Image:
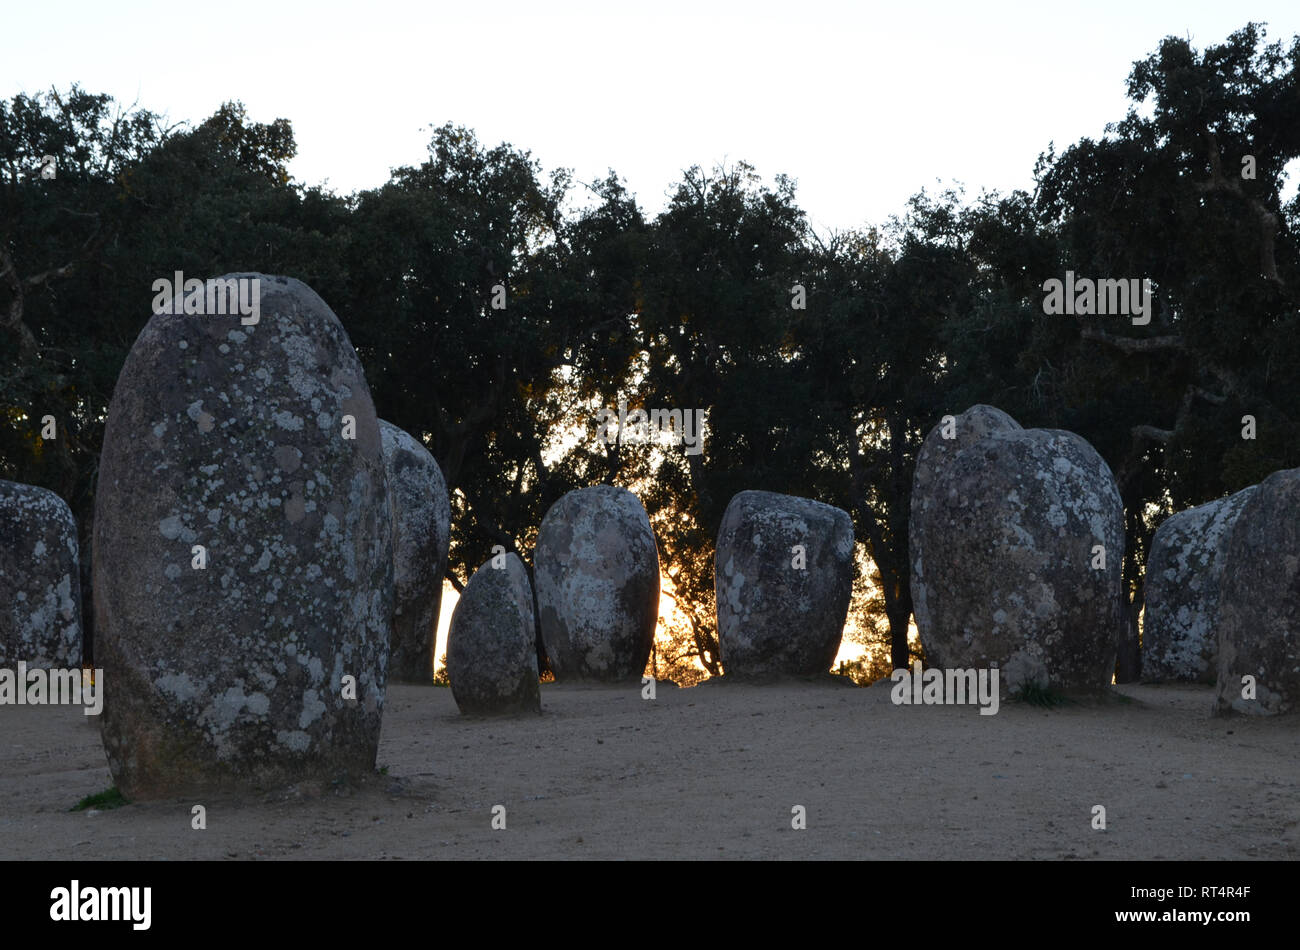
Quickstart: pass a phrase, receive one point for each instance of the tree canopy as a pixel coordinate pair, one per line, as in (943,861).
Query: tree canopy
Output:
(497,310)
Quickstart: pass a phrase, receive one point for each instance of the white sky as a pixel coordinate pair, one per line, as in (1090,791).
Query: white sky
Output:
(863,103)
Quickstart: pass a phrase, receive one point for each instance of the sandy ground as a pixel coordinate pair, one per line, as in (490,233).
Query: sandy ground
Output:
(713,772)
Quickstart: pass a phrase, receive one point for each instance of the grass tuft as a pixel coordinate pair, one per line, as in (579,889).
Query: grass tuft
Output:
(109,798)
(1047,697)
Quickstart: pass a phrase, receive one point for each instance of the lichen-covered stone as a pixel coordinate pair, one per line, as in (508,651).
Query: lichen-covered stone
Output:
(232,437)
(1180,640)
(1011,575)
(421,514)
(40,583)
(491,643)
(783,576)
(1259,601)
(597,574)
(944,441)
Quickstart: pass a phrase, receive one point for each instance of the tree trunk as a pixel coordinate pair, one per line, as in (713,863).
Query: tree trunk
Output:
(1128,663)
(1128,666)
(899,614)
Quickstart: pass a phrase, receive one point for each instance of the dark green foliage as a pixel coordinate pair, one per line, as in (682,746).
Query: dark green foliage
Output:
(1044,696)
(103,801)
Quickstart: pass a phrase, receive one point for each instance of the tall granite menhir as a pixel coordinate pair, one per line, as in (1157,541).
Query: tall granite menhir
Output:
(932,463)
(1017,540)
(783,577)
(1180,625)
(492,642)
(40,582)
(597,576)
(1259,602)
(417,498)
(233,437)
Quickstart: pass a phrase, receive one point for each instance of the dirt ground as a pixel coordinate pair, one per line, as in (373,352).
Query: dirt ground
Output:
(713,772)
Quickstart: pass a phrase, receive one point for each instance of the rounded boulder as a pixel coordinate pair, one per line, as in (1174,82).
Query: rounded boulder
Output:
(1259,602)
(1022,533)
(40,581)
(1180,637)
(597,574)
(243,560)
(421,516)
(945,440)
(491,643)
(783,577)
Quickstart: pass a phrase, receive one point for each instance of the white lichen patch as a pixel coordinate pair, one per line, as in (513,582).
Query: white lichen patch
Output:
(287,420)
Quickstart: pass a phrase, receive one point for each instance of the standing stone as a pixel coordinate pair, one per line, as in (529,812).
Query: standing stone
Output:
(597,575)
(491,644)
(944,441)
(783,576)
(1021,533)
(233,436)
(40,588)
(1180,636)
(421,514)
(1259,601)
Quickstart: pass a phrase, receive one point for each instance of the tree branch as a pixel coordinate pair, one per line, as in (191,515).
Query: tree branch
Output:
(1268,221)
(1131,345)
(27,345)
(1151,432)
(44,276)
